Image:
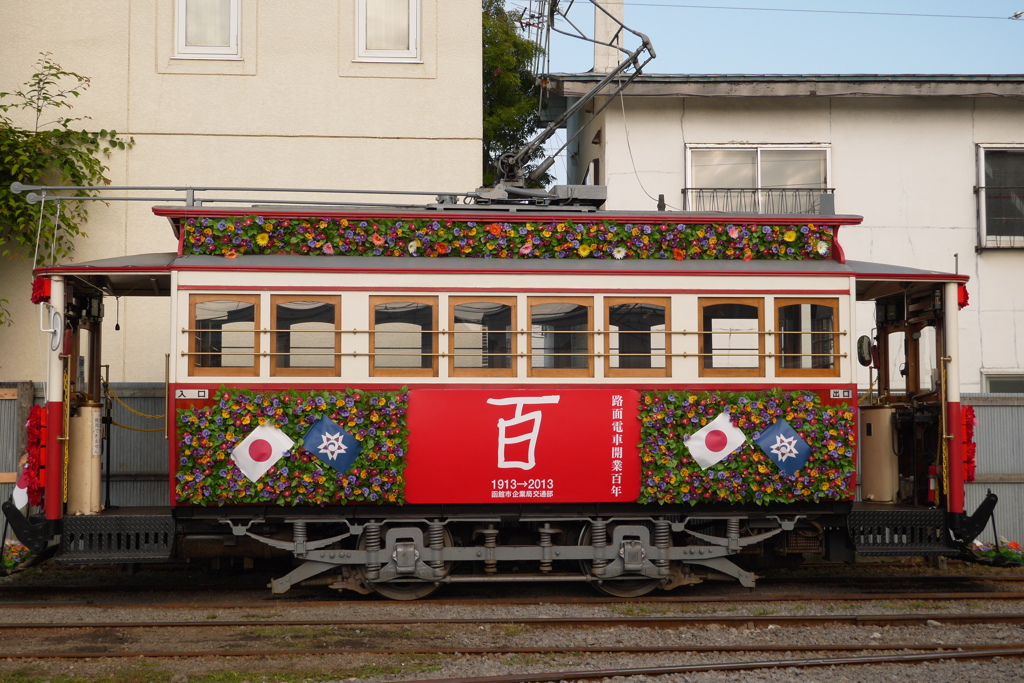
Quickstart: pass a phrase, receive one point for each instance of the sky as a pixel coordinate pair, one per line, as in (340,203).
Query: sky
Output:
(768,37)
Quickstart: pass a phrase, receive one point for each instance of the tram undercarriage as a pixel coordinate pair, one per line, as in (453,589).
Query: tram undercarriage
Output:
(409,557)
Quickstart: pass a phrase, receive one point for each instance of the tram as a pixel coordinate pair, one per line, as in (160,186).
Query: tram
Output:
(403,398)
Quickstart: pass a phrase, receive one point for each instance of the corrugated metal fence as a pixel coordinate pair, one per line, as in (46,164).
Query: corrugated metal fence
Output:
(1000,438)
(139,459)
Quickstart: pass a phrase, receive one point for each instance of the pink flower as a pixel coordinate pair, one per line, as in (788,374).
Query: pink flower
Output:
(328,248)
(526,248)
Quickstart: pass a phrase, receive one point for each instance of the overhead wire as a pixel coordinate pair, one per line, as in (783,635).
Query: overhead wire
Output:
(820,11)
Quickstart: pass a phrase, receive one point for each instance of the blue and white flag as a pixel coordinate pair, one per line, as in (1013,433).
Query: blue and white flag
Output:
(783,445)
(332,444)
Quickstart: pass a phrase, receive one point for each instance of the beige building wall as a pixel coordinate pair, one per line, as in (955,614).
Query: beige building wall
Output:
(297,110)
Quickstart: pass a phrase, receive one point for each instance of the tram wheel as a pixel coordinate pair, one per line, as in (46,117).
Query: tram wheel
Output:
(624,588)
(407,590)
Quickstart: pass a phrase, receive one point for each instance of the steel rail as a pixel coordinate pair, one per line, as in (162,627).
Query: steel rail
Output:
(674,622)
(723,649)
(596,600)
(730,666)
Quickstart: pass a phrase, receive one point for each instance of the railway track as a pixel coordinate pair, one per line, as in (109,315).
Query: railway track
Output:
(339,641)
(578,622)
(1005,650)
(577,675)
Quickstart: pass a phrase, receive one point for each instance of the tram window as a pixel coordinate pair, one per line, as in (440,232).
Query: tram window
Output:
(305,339)
(222,335)
(637,341)
(806,340)
(483,342)
(561,341)
(731,339)
(403,336)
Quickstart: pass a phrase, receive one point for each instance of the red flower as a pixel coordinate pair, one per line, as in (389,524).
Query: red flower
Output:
(40,290)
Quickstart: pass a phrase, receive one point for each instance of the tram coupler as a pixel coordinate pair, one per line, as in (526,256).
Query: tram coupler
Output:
(967,528)
(35,536)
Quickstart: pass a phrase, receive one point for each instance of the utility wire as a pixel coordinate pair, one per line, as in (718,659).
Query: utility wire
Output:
(1016,16)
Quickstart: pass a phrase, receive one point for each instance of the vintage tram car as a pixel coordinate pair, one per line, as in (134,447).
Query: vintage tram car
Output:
(401,398)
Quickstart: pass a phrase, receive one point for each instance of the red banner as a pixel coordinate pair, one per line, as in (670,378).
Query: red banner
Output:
(510,446)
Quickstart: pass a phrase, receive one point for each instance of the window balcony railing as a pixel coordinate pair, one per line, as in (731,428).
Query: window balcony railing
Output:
(805,200)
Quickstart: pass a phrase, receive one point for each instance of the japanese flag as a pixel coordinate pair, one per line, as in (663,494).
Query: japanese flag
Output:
(260,451)
(20,494)
(715,441)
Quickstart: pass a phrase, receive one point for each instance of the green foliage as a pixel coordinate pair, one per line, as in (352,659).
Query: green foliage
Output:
(50,153)
(510,90)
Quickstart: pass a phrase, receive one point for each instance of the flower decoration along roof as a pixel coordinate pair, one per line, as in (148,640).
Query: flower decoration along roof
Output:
(661,236)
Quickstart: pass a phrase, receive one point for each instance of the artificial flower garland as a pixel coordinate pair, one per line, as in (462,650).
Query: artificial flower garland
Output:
(34,446)
(207,475)
(970,447)
(572,239)
(670,475)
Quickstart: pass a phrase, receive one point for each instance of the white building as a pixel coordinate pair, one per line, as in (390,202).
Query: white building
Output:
(935,164)
(346,94)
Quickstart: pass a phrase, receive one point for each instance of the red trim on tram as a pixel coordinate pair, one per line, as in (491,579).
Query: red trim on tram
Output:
(954,422)
(53,480)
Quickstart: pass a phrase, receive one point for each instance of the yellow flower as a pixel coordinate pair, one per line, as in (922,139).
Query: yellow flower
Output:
(584,250)
(790,235)
(262,239)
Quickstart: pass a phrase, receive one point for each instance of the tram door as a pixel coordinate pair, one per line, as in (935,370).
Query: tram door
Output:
(910,346)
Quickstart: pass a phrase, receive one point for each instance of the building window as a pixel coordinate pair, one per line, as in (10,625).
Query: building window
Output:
(755,179)
(806,341)
(388,29)
(561,339)
(731,337)
(638,343)
(223,337)
(483,341)
(403,336)
(207,29)
(1004,384)
(1001,195)
(305,339)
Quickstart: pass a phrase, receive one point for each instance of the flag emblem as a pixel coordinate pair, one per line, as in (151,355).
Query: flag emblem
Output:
(715,441)
(260,451)
(783,445)
(332,444)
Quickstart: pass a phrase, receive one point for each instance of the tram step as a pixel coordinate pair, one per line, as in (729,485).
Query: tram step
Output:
(91,539)
(900,532)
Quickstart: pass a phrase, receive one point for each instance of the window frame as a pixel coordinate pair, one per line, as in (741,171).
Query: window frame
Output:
(242,371)
(703,335)
(278,371)
(588,303)
(430,371)
(453,371)
(986,241)
(830,302)
(232,51)
(1016,376)
(758,149)
(364,54)
(609,371)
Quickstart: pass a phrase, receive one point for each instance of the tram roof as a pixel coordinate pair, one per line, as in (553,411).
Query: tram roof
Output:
(150,274)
